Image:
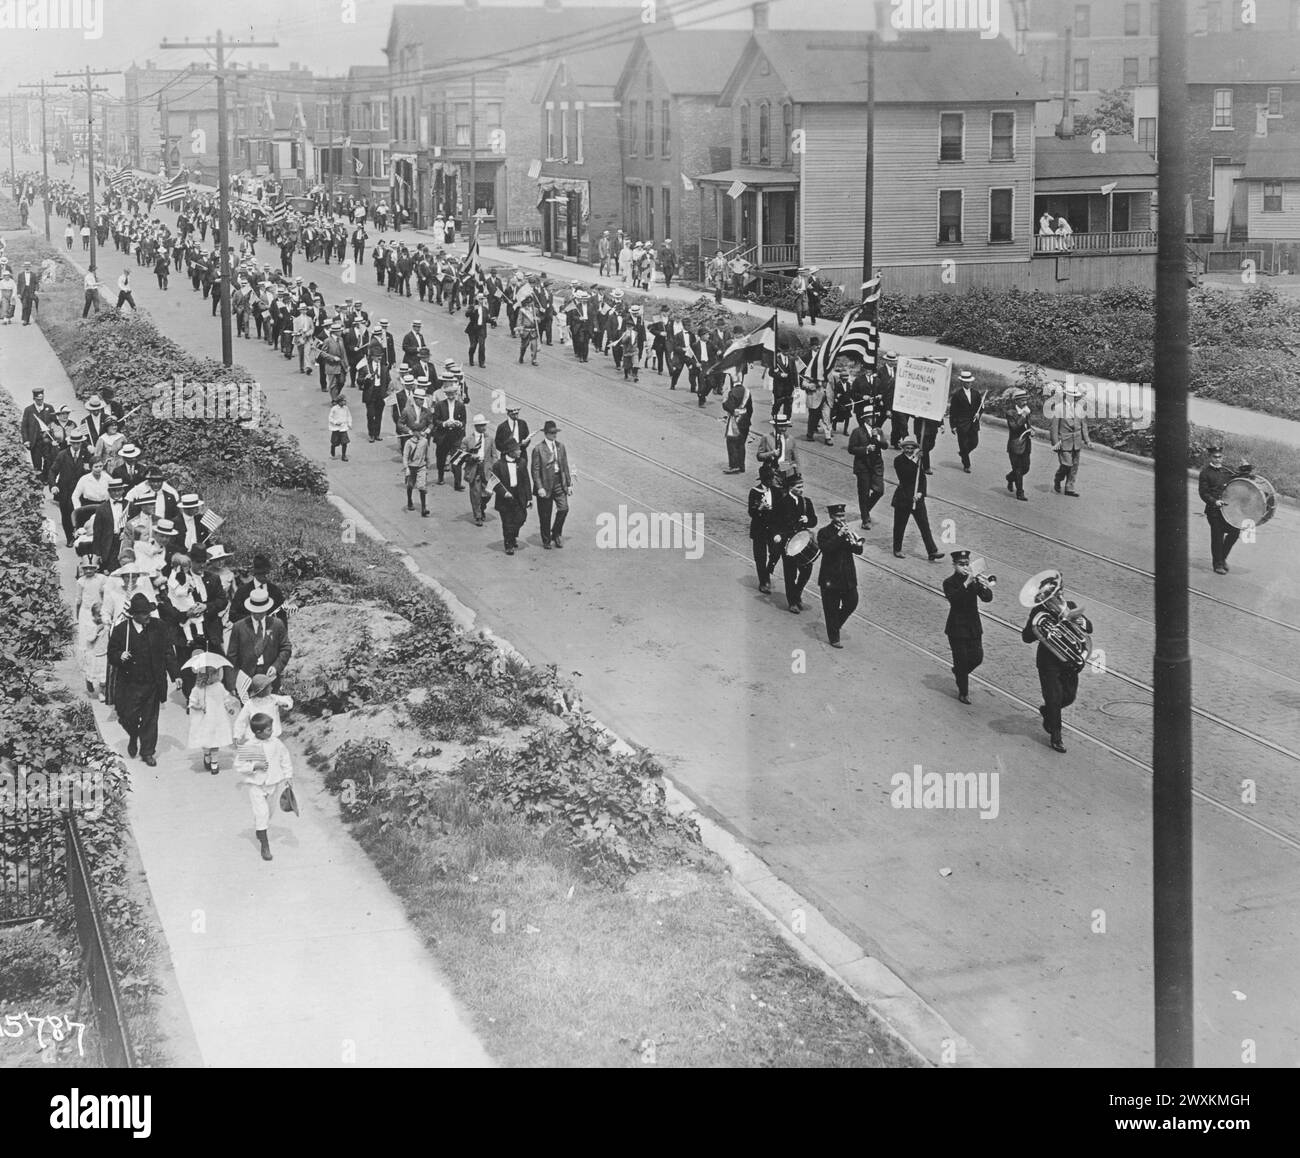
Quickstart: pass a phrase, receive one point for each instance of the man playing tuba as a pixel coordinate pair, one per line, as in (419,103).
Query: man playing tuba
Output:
(1062,632)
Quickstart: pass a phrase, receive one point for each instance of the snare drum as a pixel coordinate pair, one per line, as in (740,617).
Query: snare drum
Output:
(802,548)
(1252,499)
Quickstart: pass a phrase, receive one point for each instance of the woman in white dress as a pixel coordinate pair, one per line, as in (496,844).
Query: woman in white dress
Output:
(90,627)
(110,442)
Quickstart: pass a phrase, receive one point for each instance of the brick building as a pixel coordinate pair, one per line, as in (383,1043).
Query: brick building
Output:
(672,130)
(364,161)
(580,176)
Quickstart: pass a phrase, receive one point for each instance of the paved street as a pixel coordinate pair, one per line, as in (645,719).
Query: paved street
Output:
(792,746)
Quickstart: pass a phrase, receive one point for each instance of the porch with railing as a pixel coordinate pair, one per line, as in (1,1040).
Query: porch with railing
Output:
(1128,241)
(765,256)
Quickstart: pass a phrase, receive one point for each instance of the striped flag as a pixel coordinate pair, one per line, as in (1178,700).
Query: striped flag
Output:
(471,262)
(278,214)
(175,191)
(855,335)
(758,345)
(210,521)
(242,684)
(120,178)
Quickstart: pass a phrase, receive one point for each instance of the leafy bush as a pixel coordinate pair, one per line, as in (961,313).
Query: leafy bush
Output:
(31,964)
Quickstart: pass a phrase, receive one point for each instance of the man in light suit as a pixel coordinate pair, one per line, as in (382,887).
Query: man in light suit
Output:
(1068,432)
(552,485)
(259,643)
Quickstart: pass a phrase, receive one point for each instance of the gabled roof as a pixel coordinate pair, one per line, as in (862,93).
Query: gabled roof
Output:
(1273,158)
(691,63)
(1244,58)
(595,70)
(947,68)
(1123,157)
(451,34)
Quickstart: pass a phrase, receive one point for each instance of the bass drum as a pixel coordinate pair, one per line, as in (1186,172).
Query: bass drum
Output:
(802,548)
(1249,500)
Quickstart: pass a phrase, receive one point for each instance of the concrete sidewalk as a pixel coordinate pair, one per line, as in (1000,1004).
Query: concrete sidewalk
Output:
(305,961)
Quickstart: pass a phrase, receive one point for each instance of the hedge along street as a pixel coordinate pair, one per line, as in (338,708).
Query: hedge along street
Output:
(804,1017)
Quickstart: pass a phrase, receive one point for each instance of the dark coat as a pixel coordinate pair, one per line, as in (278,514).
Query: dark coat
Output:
(963,610)
(911,479)
(152,656)
(961,412)
(244,654)
(503,436)
(514,499)
(837,567)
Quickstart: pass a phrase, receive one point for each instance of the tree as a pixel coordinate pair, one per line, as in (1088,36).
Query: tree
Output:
(1113,115)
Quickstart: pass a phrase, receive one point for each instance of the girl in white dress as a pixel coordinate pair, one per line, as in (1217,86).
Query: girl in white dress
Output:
(90,595)
(209,714)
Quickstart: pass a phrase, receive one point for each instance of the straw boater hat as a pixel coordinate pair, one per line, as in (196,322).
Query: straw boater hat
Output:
(190,502)
(217,551)
(129,451)
(258,603)
(94,403)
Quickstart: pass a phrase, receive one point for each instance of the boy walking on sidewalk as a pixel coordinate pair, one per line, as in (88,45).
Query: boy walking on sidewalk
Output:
(340,424)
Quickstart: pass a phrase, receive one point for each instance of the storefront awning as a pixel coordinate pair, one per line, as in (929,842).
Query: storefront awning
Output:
(752,177)
(548,187)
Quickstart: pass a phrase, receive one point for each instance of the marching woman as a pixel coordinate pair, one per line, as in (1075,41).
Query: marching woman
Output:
(90,625)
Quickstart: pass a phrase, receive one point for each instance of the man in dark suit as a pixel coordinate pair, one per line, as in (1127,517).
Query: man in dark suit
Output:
(259,643)
(552,484)
(1020,444)
(260,582)
(449,419)
(411,343)
(372,375)
(36,420)
(513,428)
(762,526)
(29,285)
(142,659)
(94,420)
(794,513)
(784,376)
(512,495)
(69,466)
(909,499)
(387,342)
(1058,679)
(107,520)
(866,446)
(838,576)
(964,631)
(706,353)
(739,405)
(476,327)
(964,408)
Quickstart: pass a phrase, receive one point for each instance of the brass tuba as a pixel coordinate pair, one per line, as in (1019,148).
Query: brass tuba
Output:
(1051,622)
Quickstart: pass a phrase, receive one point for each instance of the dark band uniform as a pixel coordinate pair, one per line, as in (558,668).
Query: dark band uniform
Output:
(838,575)
(1213,481)
(762,528)
(794,513)
(1058,680)
(964,630)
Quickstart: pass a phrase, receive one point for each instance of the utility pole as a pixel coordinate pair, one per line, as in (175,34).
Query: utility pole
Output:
(13,166)
(45,152)
(473,138)
(219,46)
(1171,760)
(91,89)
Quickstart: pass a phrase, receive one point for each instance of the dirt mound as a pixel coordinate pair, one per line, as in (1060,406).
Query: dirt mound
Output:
(324,634)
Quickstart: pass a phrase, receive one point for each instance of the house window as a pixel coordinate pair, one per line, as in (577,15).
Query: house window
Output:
(649,211)
(1272,197)
(665,130)
(764,133)
(1003,146)
(726,216)
(744,134)
(668,212)
(1147,134)
(1001,213)
(952,129)
(1275,102)
(577,131)
(1080,81)
(550,132)
(1130,71)
(492,114)
(564,131)
(633,111)
(1153,69)
(950,216)
(462,122)
(381,116)
(787,133)
(396,124)
(1213,17)
(194,121)
(1223,108)
(1155,19)
(649,129)
(1121,213)
(1132,19)
(634,210)
(1083,20)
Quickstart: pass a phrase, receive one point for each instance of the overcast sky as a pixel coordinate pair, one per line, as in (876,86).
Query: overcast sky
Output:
(311,32)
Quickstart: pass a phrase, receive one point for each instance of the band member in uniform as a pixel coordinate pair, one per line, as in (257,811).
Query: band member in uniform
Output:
(552,484)
(739,407)
(909,499)
(448,430)
(866,445)
(965,633)
(794,513)
(1020,443)
(779,450)
(1213,481)
(762,527)
(965,405)
(513,498)
(838,575)
(1057,678)
(1068,431)
(479,450)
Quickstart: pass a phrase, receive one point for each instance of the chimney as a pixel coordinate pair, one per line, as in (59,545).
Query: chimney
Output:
(1065,129)
(760,15)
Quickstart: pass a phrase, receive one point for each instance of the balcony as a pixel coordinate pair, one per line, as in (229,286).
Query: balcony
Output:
(1085,244)
(762,256)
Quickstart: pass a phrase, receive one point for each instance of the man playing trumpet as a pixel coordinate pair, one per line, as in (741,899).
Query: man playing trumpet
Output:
(965,590)
(1062,632)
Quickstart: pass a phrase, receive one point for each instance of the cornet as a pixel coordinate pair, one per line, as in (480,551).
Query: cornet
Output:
(848,535)
(980,576)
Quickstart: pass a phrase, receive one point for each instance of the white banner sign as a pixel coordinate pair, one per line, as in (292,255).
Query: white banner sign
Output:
(921,387)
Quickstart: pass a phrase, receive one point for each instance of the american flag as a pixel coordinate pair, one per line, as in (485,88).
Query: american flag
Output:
(856,334)
(176,191)
(210,520)
(242,683)
(120,178)
(278,214)
(471,262)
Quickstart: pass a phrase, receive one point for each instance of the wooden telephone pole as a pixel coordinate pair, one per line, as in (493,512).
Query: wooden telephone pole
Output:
(45,151)
(218,47)
(90,89)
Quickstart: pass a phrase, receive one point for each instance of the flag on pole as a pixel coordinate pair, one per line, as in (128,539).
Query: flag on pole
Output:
(471,262)
(120,178)
(759,345)
(358,166)
(687,184)
(175,191)
(856,335)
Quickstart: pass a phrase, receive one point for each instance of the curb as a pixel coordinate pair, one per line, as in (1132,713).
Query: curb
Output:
(905,1015)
